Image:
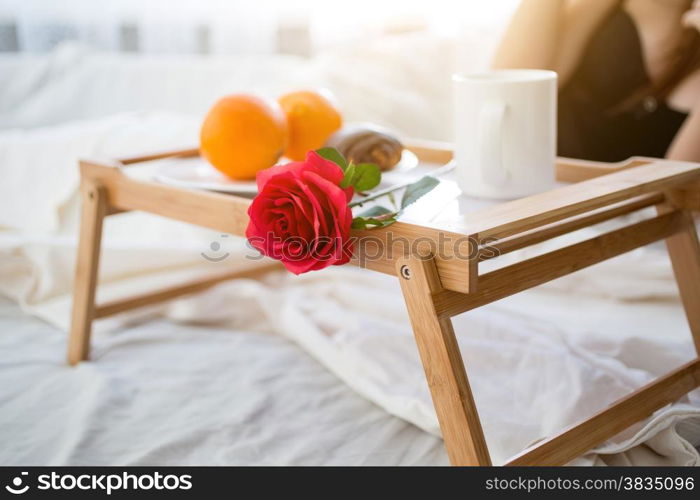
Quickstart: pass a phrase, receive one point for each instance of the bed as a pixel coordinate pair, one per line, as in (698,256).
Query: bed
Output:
(319,369)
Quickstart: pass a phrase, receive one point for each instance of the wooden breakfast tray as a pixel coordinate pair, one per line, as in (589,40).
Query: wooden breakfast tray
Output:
(437,284)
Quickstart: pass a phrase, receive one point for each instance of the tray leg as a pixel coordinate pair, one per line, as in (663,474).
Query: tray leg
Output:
(684,251)
(94,209)
(443,365)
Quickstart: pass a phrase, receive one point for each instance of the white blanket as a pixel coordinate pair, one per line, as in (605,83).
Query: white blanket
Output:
(532,372)
(537,362)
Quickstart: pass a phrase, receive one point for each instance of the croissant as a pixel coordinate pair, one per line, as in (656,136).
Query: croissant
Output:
(367,143)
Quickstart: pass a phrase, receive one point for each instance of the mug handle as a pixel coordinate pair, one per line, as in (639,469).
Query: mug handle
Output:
(490,141)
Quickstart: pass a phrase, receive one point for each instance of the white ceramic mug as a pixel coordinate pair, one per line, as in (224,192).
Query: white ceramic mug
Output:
(505,132)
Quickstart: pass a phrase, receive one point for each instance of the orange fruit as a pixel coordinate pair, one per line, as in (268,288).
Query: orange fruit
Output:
(311,118)
(243,134)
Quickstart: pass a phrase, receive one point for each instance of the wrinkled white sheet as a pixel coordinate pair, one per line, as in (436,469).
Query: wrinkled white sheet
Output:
(532,373)
(159,393)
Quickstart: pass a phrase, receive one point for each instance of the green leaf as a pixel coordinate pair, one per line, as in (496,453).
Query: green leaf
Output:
(349,177)
(418,189)
(376,216)
(333,155)
(375,211)
(362,177)
(367,176)
(363,223)
(370,222)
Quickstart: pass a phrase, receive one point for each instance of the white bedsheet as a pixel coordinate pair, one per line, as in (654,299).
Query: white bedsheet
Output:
(194,385)
(159,393)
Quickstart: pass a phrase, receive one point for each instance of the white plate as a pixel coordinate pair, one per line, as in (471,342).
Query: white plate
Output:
(197,173)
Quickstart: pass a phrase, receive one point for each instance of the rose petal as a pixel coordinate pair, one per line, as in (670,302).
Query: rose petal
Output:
(264,176)
(326,168)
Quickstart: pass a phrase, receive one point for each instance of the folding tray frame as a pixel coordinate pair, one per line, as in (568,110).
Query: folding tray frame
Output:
(438,283)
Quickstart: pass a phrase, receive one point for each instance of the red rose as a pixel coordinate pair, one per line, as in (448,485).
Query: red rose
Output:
(301,215)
